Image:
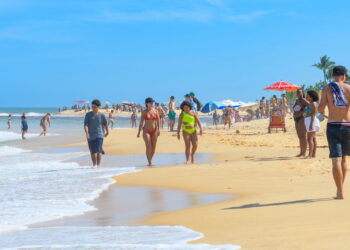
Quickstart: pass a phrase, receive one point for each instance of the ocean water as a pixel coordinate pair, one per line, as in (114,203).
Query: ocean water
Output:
(37,186)
(60,123)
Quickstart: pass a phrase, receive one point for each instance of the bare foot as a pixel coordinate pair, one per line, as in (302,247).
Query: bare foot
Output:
(302,156)
(308,157)
(339,196)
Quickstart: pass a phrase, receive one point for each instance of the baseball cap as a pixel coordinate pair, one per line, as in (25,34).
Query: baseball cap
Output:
(339,71)
(191,93)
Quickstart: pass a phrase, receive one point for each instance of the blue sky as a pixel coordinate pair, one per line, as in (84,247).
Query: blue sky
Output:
(56,51)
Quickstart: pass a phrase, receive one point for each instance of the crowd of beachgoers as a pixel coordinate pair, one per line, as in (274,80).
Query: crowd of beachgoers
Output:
(307,112)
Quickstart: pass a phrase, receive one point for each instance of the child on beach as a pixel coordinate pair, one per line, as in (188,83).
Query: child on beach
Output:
(312,123)
(95,126)
(24,126)
(189,121)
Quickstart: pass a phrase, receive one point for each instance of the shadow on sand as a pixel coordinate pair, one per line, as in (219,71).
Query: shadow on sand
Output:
(273,159)
(253,205)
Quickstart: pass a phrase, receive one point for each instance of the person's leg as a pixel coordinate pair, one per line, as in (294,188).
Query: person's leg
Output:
(98,159)
(338,176)
(45,130)
(301,132)
(147,139)
(310,140)
(194,142)
(154,139)
(94,159)
(187,146)
(315,147)
(344,167)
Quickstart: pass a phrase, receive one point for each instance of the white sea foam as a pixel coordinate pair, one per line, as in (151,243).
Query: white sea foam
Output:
(135,238)
(31,114)
(36,187)
(45,187)
(11,136)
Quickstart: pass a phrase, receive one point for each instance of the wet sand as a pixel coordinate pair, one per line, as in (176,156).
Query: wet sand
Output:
(129,205)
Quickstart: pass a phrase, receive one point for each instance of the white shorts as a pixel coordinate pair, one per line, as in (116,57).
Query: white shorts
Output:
(316,125)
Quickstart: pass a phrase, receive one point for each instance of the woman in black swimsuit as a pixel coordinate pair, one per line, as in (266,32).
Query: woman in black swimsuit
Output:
(298,114)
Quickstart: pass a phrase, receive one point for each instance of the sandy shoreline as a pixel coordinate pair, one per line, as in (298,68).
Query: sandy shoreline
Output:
(284,202)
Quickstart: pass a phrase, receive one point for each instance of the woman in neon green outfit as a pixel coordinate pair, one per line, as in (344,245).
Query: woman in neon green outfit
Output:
(189,121)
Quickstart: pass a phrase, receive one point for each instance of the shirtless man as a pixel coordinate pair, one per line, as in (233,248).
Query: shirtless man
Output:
(172,114)
(261,107)
(111,119)
(284,105)
(338,127)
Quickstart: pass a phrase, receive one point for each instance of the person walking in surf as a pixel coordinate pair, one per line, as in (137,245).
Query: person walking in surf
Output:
(188,122)
(150,125)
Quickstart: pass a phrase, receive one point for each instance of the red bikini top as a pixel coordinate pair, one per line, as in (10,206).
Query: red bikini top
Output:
(148,117)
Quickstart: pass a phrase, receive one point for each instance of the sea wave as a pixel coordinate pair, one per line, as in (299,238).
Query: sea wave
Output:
(132,238)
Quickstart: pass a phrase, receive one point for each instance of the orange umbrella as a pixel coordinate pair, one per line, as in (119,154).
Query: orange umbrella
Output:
(283,86)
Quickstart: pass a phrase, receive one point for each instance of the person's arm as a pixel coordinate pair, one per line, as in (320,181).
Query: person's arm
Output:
(141,124)
(198,123)
(179,126)
(312,115)
(105,125)
(49,122)
(158,123)
(323,102)
(86,127)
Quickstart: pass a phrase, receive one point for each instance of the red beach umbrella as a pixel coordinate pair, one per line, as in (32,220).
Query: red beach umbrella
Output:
(283,86)
(82,102)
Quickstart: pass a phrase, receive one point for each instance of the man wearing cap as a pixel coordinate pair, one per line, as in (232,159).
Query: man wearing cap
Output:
(196,101)
(336,96)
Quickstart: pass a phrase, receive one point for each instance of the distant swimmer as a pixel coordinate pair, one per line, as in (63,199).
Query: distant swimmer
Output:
(133,118)
(172,114)
(45,122)
(111,119)
(24,124)
(150,124)
(9,121)
(96,128)
(336,96)
(188,122)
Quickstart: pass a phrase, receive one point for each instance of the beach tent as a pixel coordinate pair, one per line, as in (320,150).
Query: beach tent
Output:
(210,106)
(283,86)
(229,102)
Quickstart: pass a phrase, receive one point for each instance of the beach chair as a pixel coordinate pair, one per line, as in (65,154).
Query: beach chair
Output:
(277,122)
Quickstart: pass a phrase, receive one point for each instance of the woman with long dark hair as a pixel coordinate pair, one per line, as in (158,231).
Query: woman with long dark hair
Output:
(150,124)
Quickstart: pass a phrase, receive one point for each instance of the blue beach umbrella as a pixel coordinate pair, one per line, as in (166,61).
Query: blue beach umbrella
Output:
(234,106)
(210,106)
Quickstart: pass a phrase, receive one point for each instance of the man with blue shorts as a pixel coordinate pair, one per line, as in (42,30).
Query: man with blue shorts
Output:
(336,95)
(96,128)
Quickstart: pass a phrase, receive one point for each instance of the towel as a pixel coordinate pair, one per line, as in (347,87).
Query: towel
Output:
(339,99)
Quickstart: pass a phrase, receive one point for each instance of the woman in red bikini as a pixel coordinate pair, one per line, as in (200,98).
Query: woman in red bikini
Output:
(150,124)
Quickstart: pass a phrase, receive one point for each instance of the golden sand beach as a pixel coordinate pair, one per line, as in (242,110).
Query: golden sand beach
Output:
(283,202)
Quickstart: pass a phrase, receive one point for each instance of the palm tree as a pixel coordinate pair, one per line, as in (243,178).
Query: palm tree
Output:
(325,64)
